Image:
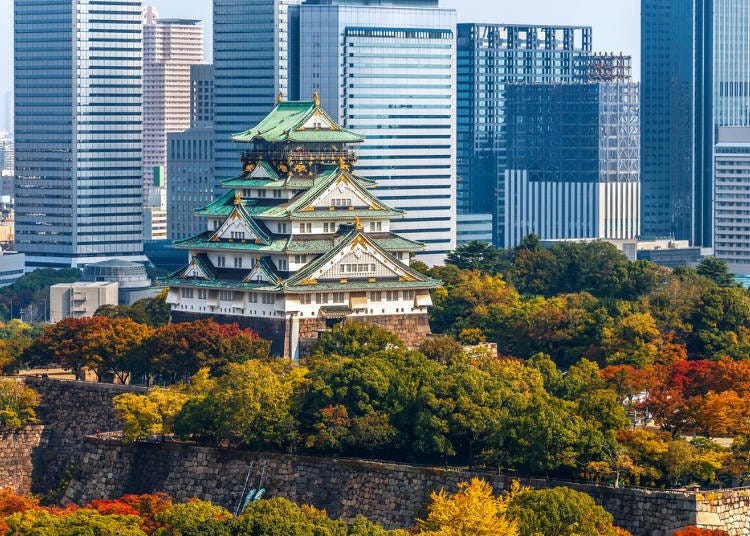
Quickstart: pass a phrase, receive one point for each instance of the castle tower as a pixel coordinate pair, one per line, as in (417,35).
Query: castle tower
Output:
(299,243)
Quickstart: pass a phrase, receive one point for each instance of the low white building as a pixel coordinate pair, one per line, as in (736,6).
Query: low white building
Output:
(77,300)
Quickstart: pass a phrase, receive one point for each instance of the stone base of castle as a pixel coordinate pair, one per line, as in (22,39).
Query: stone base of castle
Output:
(293,338)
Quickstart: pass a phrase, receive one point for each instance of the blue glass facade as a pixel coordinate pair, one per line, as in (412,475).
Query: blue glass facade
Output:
(489,57)
(251,66)
(78,130)
(388,70)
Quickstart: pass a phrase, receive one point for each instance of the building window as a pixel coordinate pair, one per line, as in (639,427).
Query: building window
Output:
(261,193)
(283,264)
(329,227)
(216,224)
(305,299)
(225,295)
(186,292)
(408,294)
(237,235)
(202,294)
(277,193)
(221,261)
(238,262)
(339,297)
(269,299)
(391,295)
(340,202)
(305,228)
(376,296)
(376,226)
(252,297)
(356,268)
(300,259)
(321,297)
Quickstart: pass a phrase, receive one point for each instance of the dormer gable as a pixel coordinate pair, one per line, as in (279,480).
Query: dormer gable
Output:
(198,268)
(263,272)
(338,190)
(240,227)
(319,121)
(261,171)
(355,258)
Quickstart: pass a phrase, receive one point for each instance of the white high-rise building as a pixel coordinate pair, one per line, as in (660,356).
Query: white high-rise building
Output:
(388,70)
(170,47)
(78,131)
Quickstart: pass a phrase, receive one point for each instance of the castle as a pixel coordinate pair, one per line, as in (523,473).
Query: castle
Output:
(299,243)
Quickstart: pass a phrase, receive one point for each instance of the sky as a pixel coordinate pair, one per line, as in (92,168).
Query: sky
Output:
(616,23)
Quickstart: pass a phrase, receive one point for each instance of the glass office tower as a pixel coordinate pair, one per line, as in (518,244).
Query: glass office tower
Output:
(696,79)
(387,69)
(489,57)
(78,119)
(251,66)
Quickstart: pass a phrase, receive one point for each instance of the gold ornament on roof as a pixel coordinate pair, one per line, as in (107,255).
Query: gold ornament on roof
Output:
(342,163)
(316,98)
(280,96)
(357,223)
(237,198)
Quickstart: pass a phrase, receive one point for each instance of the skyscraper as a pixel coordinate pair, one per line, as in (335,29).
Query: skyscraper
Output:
(572,157)
(387,69)
(170,47)
(190,159)
(489,57)
(78,131)
(696,79)
(251,66)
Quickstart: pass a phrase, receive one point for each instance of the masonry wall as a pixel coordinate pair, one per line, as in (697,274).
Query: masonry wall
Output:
(391,494)
(69,411)
(16,449)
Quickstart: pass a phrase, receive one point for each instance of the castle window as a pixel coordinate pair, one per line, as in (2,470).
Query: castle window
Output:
(238,262)
(376,226)
(237,235)
(305,228)
(339,297)
(202,294)
(329,227)
(321,297)
(261,193)
(277,193)
(283,264)
(221,261)
(305,299)
(300,259)
(269,299)
(282,228)
(356,268)
(252,297)
(341,202)
(186,292)
(408,294)
(225,295)
(391,295)
(376,296)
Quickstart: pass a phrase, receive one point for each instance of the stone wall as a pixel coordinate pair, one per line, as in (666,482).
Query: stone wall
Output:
(69,411)
(16,448)
(391,494)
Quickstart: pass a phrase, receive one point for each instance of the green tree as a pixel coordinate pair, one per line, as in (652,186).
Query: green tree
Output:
(354,339)
(717,270)
(559,512)
(475,255)
(150,414)
(443,349)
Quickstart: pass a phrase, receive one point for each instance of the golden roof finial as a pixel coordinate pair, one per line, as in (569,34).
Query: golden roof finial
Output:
(316,97)
(357,223)
(237,198)
(279,97)
(342,163)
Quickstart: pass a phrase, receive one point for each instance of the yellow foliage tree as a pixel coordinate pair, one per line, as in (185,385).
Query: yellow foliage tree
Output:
(473,510)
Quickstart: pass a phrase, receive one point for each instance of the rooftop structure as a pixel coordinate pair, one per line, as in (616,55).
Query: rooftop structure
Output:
(299,242)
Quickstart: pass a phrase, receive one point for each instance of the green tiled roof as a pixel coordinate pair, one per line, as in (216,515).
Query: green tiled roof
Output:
(317,287)
(285,123)
(301,277)
(313,245)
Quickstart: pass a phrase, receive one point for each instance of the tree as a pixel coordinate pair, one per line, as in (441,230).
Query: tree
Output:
(559,512)
(717,270)
(472,510)
(475,255)
(150,414)
(17,404)
(443,349)
(33,288)
(354,339)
